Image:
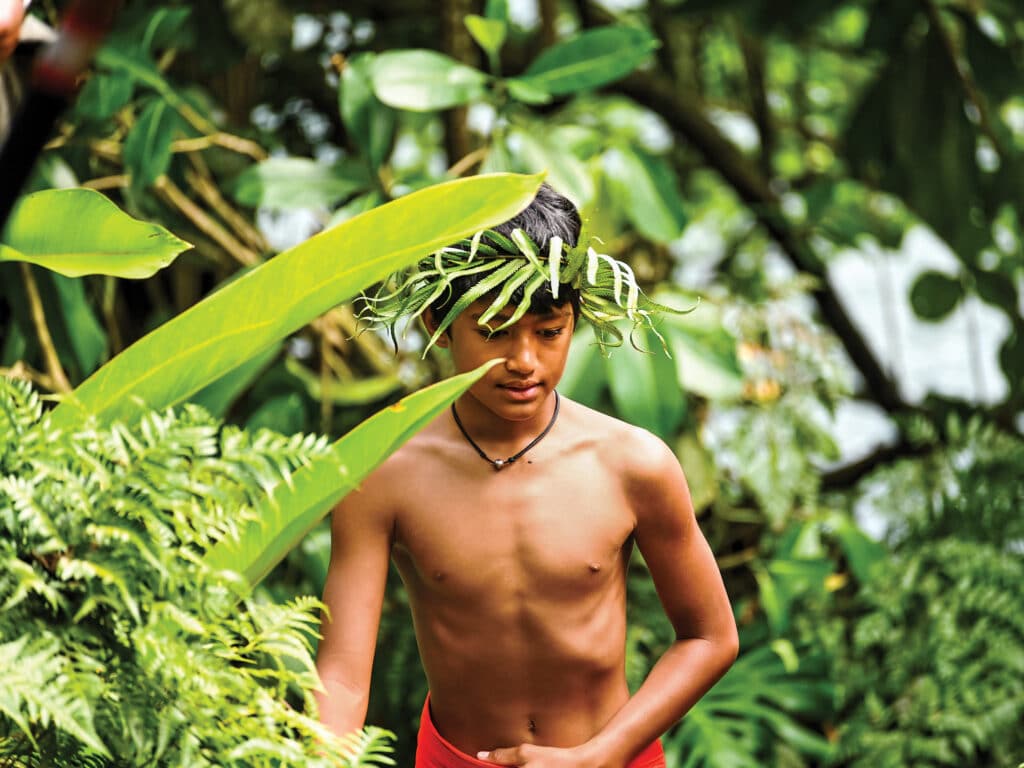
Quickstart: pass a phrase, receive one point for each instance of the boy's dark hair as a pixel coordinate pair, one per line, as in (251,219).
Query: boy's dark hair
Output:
(548,215)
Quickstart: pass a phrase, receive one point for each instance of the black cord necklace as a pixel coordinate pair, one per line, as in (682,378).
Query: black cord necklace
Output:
(502,463)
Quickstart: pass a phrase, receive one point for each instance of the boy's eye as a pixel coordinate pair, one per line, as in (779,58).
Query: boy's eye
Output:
(484,333)
(550,333)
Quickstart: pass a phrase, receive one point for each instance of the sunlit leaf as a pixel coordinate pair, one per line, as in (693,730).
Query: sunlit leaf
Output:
(218,396)
(704,350)
(266,304)
(542,148)
(526,92)
(648,191)
(644,387)
(298,182)
(292,509)
(423,80)
(488,33)
(81,232)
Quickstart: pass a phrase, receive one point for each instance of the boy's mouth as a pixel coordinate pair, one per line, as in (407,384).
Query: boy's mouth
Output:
(521,390)
(520,386)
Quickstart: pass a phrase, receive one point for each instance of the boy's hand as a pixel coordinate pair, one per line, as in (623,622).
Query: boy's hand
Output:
(11,14)
(533,756)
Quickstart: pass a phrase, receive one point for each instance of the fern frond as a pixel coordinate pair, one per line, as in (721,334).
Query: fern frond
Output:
(368,747)
(37,689)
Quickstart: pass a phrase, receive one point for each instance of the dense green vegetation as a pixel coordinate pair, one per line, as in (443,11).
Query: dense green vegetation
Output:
(732,151)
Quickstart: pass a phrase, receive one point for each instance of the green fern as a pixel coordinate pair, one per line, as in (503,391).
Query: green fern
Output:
(933,674)
(118,646)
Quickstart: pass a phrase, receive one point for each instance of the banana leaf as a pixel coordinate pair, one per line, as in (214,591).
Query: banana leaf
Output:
(81,232)
(290,510)
(280,296)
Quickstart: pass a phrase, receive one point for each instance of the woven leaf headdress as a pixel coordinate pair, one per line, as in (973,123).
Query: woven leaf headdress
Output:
(514,267)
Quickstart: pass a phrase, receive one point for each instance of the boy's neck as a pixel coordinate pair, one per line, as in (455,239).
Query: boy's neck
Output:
(484,425)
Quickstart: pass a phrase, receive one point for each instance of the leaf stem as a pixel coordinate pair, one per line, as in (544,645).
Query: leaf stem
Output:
(203,182)
(172,193)
(53,367)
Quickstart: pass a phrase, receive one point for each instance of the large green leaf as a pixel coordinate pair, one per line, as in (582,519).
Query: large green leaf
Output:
(75,327)
(147,150)
(544,148)
(423,80)
(584,378)
(647,190)
(218,396)
(230,326)
(644,386)
(290,510)
(369,122)
(298,182)
(104,94)
(80,232)
(704,350)
(591,59)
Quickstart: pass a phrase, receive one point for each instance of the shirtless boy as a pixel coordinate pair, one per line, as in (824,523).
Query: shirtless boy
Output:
(516,569)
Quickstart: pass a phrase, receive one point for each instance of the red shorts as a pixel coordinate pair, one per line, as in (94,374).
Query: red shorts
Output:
(434,751)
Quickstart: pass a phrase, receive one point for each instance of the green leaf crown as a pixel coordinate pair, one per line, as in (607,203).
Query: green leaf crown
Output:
(607,288)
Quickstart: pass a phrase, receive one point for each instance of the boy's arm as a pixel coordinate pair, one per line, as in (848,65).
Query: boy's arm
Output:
(690,588)
(361,533)
(691,591)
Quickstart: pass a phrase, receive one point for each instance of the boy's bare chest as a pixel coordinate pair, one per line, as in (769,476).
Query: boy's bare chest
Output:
(559,532)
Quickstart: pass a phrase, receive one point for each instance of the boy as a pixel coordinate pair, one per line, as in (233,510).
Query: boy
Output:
(511,520)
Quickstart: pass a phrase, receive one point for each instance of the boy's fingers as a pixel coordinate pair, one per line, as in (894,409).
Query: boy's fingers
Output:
(505,756)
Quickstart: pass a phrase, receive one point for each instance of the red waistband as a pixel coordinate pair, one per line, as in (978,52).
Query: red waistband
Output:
(434,751)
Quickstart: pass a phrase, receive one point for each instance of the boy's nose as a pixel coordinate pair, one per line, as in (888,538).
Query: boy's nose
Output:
(521,358)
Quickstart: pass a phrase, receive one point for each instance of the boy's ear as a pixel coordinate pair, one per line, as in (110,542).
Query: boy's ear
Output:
(430,324)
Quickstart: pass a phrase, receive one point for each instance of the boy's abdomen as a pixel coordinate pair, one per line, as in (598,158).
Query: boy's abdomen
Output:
(519,607)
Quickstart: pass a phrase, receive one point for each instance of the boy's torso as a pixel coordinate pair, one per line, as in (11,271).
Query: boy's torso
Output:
(517,582)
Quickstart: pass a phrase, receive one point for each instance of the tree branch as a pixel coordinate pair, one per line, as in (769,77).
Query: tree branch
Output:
(753,60)
(458,44)
(849,475)
(206,223)
(686,117)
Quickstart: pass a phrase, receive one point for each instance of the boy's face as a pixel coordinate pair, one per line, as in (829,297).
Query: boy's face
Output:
(535,349)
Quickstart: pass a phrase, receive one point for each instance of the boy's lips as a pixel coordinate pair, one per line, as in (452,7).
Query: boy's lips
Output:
(521,390)
(520,385)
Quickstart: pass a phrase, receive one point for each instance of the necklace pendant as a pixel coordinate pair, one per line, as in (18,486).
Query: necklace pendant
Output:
(498,463)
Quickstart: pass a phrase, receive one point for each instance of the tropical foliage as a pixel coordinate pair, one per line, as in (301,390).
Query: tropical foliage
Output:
(738,152)
(120,646)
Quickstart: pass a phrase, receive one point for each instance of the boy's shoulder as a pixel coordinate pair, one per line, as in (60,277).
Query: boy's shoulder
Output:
(633,451)
(623,449)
